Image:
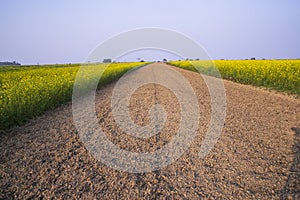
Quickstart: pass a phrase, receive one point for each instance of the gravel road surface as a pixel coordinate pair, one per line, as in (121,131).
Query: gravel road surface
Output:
(256,157)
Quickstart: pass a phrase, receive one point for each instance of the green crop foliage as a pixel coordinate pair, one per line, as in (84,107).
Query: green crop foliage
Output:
(281,75)
(28,91)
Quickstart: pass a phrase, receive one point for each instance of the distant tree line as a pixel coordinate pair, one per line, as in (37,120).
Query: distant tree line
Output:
(9,63)
(106,60)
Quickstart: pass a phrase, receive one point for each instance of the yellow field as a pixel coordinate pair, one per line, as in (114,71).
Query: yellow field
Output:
(27,91)
(282,75)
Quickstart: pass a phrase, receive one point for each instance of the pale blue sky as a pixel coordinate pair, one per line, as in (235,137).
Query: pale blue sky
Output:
(58,31)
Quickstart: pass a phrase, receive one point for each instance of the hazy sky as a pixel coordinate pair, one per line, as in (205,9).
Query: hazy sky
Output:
(58,31)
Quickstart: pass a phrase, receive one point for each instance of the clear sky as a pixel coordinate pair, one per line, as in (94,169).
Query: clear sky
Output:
(65,31)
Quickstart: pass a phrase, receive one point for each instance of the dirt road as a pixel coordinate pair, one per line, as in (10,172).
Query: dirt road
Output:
(256,157)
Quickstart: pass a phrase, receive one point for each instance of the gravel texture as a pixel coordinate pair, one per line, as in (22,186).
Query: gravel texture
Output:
(256,157)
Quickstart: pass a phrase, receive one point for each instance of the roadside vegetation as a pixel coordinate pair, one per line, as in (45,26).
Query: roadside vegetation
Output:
(28,91)
(281,75)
